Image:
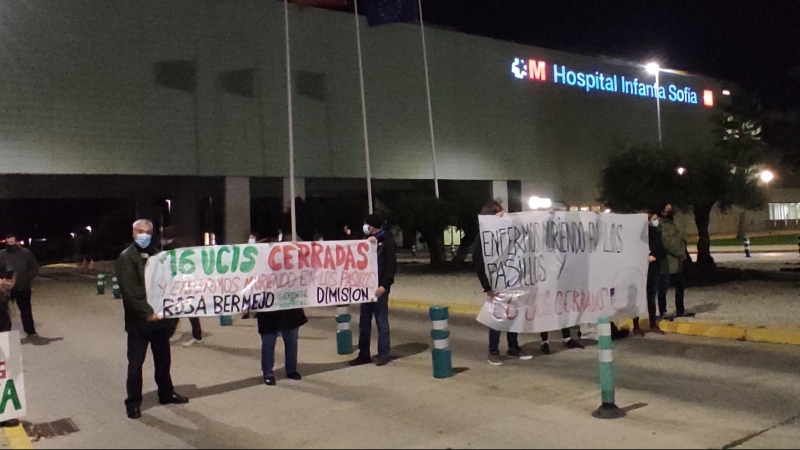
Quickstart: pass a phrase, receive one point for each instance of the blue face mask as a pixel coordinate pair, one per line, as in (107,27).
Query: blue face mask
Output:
(143,240)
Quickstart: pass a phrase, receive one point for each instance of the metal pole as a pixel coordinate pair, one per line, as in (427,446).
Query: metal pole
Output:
(291,125)
(363,110)
(428,91)
(658,109)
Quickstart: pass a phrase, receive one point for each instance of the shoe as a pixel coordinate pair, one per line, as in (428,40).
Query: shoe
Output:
(294,376)
(519,353)
(134,413)
(192,342)
(175,338)
(686,314)
(270,380)
(10,423)
(383,360)
(360,361)
(574,344)
(656,330)
(638,332)
(545,348)
(495,359)
(174,399)
(33,335)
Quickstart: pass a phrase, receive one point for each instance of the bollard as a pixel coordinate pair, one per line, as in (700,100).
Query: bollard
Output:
(225,321)
(414,249)
(608,409)
(442,358)
(452,251)
(798,244)
(344,337)
(101,283)
(115,286)
(747,247)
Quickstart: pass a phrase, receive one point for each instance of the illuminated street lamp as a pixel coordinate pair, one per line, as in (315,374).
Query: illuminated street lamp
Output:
(654,69)
(539,203)
(681,171)
(89,228)
(767,176)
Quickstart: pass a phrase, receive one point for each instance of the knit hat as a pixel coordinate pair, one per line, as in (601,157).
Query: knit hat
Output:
(374,220)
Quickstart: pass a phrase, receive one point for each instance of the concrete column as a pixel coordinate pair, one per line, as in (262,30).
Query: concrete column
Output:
(186,216)
(237,210)
(500,192)
(299,191)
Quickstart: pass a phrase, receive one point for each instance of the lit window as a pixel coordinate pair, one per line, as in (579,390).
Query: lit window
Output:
(784,211)
(708,98)
(726,92)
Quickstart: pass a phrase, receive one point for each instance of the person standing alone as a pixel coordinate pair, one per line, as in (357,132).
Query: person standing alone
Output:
(23,263)
(143,325)
(672,267)
(387,267)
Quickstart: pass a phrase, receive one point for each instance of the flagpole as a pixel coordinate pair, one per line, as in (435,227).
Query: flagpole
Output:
(428,91)
(363,109)
(291,126)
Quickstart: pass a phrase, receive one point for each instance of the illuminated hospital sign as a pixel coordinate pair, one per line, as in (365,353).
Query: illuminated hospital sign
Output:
(532,69)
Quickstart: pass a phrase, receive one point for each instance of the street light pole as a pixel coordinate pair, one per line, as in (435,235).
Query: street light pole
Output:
(658,111)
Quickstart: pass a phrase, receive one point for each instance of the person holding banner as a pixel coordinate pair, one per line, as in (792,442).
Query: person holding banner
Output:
(657,257)
(387,268)
(144,327)
(514,350)
(286,323)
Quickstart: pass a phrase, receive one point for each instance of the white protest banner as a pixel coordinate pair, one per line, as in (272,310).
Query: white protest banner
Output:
(555,270)
(232,279)
(12,384)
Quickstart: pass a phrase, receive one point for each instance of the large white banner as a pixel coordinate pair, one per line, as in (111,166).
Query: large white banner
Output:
(233,279)
(555,270)
(12,384)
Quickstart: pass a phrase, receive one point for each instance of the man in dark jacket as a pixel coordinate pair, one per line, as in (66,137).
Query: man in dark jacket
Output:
(657,257)
(23,263)
(286,323)
(672,269)
(387,267)
(143,325)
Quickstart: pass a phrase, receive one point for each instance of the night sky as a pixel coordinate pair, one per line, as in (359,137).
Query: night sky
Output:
(755,43)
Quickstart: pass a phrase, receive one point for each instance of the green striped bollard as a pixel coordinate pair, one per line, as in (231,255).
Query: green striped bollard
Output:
(115,286)
(798,244)
(344,337)
(101,283)
(747,247)
(414,249)
(442,358)
(608,409)
(225,321)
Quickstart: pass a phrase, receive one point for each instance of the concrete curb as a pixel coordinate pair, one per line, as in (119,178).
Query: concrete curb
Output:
(739,333)
(18,437)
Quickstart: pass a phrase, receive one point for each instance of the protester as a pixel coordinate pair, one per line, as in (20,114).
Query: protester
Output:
(672,271)
(566,338)
(387,267)
(23,263)
(7,283)
(657,257)
(143,325)
(286,323)
(494,208)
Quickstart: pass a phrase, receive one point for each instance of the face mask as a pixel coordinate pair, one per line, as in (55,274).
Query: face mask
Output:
(367,229)
(654,223)
(143,240)
(251,241)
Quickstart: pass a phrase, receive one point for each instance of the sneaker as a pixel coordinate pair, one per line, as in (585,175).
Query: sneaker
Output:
(360,361)
(270,380)
(638,332)
(495,359)
(294,376)
(175,338)
(519,353)
(192,342)
(383,360)
(656,330)
(545,348)
(574,344)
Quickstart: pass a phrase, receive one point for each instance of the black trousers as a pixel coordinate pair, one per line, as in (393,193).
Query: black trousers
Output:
(156,336)
(197,330)
(5,317)
(23,299)
(565,334)
(676,279)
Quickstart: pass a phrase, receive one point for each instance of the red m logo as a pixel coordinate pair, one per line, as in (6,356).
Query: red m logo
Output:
(537,70)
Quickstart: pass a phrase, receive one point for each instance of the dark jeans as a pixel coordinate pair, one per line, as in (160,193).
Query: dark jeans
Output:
(23,299)
(268,341)
(5,318)
(197,330)
(380,310)
(663,286)
(565,334)
(494,341)
(157,337)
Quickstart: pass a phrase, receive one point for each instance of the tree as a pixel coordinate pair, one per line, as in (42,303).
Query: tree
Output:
(464,207)
(639,179)
(428,215)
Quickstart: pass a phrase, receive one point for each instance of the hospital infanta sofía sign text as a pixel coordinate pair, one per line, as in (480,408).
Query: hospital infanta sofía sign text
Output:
(541,71)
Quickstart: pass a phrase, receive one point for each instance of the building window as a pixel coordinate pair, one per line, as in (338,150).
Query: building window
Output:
(784,211)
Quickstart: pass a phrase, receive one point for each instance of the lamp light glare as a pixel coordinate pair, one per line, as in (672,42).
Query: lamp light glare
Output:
(652,68)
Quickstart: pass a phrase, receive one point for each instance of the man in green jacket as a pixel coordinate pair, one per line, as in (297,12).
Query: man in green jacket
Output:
(672,269)
(143,325)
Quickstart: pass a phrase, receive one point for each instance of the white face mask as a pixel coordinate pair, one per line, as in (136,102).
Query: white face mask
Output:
(251,241)
(367,230)
(654,223)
